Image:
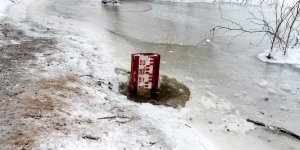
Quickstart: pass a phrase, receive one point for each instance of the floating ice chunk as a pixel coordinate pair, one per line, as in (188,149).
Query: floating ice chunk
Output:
(263,83)
(285,87)
(272,91)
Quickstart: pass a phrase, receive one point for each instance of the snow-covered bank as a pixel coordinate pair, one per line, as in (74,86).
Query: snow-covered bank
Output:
(291,58)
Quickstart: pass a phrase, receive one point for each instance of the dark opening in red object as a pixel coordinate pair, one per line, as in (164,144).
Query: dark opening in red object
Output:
(144,73)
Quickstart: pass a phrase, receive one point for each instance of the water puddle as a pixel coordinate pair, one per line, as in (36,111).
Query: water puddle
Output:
(171,92)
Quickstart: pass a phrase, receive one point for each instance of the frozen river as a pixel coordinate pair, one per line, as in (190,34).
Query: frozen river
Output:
(228,83)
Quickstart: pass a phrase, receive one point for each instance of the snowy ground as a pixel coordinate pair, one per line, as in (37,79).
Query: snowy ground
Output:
(4,4)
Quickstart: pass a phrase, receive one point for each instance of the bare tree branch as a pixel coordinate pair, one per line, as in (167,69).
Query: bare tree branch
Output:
(282,30)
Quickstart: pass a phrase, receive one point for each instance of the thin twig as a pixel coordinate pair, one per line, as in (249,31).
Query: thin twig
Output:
(275,128)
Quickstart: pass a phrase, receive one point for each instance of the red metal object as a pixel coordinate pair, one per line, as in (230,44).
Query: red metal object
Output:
(144,73)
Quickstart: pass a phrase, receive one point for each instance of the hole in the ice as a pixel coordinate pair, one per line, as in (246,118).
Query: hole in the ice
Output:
(171,92)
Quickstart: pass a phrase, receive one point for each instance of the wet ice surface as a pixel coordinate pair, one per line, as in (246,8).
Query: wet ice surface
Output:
(227,81)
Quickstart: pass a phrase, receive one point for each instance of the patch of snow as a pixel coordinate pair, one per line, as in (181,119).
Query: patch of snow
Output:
(14,42)
(171,123)
(271,91)
(294,92)
(212,102)
(285,87)
(263,83)
(284,108)
(237,124)
(292,57)
(189,79)
(208,103)
(4,5)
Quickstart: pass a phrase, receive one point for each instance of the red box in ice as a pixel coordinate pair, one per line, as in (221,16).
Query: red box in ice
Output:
(144,73)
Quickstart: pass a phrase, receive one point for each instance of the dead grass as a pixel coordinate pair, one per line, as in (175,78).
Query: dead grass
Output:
(30,107)
(38,110)
(59,84)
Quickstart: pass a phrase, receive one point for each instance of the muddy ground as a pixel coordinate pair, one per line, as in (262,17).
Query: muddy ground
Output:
(26,98)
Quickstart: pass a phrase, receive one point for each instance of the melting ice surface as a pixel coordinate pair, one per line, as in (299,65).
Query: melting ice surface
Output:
(228,82)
